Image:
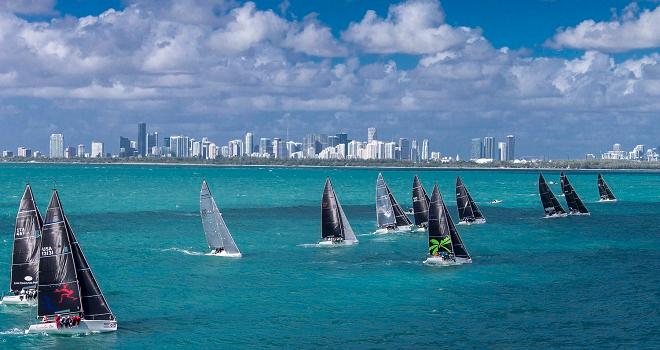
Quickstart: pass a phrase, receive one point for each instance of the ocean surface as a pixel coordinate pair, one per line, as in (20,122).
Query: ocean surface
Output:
(576,282)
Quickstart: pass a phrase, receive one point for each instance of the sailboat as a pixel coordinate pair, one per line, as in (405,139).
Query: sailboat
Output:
(335,229)
(217,234)
(468,212)
(421,203)
(550,203)
(445,245)
(604,191)
(25,254)
(68,290)
(575,205)
(390,217)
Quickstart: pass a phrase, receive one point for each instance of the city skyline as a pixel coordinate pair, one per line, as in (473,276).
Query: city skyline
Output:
(565,79)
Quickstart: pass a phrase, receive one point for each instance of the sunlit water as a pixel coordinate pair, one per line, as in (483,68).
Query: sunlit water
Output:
(572,282)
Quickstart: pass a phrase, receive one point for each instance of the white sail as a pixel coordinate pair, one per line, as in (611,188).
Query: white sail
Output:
(384,211)
(215,229)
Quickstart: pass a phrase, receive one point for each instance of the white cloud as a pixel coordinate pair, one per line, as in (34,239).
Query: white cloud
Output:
(413,27)
(629,32)
(28,7)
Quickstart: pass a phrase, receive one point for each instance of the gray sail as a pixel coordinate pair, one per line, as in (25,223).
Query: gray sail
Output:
(349,234)
(384,211)
(27,242)
(215,229)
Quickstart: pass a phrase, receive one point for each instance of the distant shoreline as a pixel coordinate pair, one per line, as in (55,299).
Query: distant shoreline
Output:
(586,166)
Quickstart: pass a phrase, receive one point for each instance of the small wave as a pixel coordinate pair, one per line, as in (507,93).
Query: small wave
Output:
(308,245)
(184,251)
(13,331)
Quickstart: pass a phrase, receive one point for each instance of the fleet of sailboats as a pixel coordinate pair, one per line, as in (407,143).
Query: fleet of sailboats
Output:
(335,228)
(604,190)
(468,212)
(421,203)
(445,246)
(575,204)
(390,217)
(550,203)
(217,234)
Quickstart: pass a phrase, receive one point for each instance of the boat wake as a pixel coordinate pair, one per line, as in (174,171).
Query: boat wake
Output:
(13,331)
(308,245)
(184,251)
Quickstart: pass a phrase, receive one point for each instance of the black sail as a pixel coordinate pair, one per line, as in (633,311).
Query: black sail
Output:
(551,205)
(400,216)
(331,221)
(421,203)
(438,231)
(573,201)
(27,240)
(58,283)
(604,190)
(467,208)
(456,241)
(94,305)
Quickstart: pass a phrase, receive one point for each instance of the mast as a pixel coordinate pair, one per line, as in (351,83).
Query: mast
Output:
(456,241)
(385,216)
(58,283)
(604,190)
(27,241)
(331,218)
(215,229)
(550,203)
(573,201)
(438,231)
(467,208)
(94,305)
(400,216)
(421,203)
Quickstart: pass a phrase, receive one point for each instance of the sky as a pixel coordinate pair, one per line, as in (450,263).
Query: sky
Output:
(567,77)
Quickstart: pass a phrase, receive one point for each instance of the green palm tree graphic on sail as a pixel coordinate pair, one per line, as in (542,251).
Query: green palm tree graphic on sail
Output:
(436,245)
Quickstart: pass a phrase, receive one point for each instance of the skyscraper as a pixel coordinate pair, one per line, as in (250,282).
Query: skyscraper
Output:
(489,147)
(371,134)
(249,144)
(81,151)
(265,146)
(425,149)
(511,147)
(343,140)
(97,149)
(278,148)
(502,154)
(414,151)
(56,146)
(404,149)
(152,141)
(179,146)
(125,149)
(476,149)
(142,139)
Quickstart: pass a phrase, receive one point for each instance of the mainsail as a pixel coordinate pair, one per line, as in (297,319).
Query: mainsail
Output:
(421,203)
(443,236)
(575,205)
(388,211)
(604,190)
(58,284)
(334,224)
(467,208)
(551,205)
(216,231)
(27,240)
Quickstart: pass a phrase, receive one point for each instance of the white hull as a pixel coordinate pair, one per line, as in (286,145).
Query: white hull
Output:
(85,327)
(381,231)
(475,222)
(225,254)
(579,214)
(330,244)
(440,261)
(554,216)
(418,229)
(607,200)
(18,300)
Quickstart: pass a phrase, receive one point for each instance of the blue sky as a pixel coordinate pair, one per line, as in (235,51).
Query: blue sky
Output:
(567,77)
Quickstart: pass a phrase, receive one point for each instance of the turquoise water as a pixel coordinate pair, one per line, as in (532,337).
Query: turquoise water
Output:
(582,282)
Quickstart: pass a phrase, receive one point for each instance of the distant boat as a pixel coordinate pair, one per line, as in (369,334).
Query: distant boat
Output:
(67,287)
(604,191)
(421,203)
(217,234)
(335,228)
(575,205)
(25,254)
(390,217)
(550,203)
(496,201)
(468,212)
(445,246)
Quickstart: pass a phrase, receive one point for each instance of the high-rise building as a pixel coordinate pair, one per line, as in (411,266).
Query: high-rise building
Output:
(125,149)
(249,144)
(70,152)
(265,146)
(371,134)
(343,140)
(425,149)
(152,141)
(390,150)
(414,151)
(81,151)
(142,139)
(24,152)
(333,141)
(235,148)
(404,149)
(56,146)
(7,154)
(510,147)
(502,154)
(476,149)
(179,146)
(278,148)
(489,148)
(97,149)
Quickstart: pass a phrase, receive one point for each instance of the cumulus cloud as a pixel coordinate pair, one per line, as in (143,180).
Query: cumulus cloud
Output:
(28,7)
(631,31)
(413,27)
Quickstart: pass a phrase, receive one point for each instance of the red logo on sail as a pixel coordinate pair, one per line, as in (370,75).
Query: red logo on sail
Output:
(65,293)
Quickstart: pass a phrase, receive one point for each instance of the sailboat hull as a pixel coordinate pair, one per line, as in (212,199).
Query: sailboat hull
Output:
(419,229)
(385,230)
(225,254)
(607,200)
(554,216)
(85,327)
(18,300)
(440,261)
(331,244)
(474,222)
